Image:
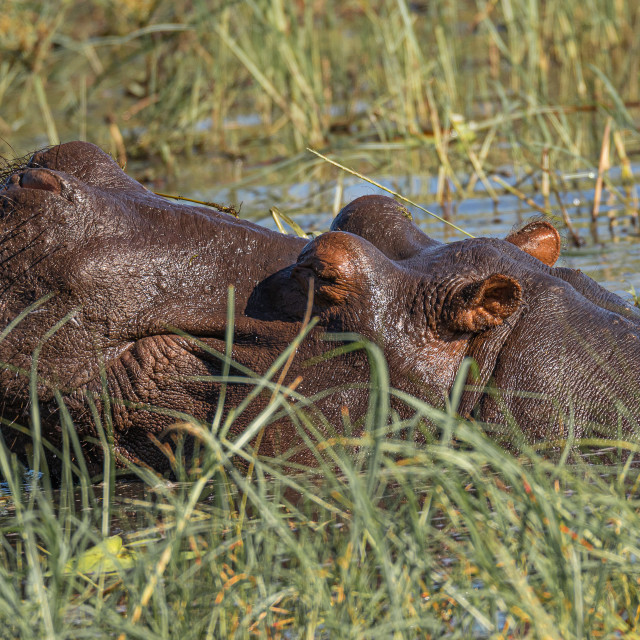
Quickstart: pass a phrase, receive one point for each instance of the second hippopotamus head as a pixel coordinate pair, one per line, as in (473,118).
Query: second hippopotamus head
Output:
(555,352)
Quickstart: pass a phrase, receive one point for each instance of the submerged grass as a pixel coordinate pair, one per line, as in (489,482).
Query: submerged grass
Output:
(452,537)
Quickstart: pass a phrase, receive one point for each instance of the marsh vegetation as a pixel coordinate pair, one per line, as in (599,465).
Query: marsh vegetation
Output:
(482,111)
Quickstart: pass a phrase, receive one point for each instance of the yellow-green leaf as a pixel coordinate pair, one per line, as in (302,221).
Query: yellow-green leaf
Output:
(105,557)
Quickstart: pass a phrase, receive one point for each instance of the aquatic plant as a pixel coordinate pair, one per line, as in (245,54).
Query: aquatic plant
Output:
(468,80)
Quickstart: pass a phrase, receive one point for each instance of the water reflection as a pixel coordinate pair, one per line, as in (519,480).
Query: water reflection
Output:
(614,264)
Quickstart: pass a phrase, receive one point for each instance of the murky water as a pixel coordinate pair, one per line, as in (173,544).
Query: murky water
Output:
(614,262)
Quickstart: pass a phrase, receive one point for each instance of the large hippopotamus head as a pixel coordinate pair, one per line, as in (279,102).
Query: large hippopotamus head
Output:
(101,280)
(107,271)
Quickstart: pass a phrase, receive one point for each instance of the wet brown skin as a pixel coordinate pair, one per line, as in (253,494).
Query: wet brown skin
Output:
(133,268)
(568,357)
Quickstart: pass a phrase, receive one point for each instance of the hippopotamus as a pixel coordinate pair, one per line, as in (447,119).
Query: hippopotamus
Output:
(562,353)
(119,298)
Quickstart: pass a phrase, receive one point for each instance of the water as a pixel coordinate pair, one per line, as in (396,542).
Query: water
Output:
(613,262)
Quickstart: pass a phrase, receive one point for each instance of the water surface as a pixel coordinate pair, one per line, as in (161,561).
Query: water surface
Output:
(613,261)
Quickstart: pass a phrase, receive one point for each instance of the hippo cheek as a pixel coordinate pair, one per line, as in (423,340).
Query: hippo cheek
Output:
(159,381)
(428,370)
(164,379)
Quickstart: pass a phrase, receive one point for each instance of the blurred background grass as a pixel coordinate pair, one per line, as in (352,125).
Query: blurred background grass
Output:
(472,83)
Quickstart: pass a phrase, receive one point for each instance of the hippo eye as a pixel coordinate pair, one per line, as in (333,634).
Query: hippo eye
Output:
(332,261)
(329,285)
(343,266)
(315,267)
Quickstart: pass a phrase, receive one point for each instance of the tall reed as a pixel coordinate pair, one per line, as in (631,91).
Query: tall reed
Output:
(174,78)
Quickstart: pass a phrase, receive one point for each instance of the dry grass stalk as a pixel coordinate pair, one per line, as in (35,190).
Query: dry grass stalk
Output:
(482,156)
(576,240)
(230,209)
(603,167)
(441,139)
(117,141)
(627,178)
(545,178)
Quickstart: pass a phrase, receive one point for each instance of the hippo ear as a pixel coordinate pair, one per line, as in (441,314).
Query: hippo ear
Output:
(540,240)
(481,305)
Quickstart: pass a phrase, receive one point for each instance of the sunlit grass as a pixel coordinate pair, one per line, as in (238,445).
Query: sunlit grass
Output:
(447,536)
(462,79)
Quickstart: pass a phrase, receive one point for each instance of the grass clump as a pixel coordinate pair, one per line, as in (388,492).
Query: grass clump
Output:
(452,537)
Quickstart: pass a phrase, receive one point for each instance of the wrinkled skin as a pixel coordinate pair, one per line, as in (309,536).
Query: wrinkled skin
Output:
(129,269)
(131,264)
(570,353)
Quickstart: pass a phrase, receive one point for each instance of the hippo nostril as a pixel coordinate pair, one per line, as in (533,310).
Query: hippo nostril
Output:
(40,179)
